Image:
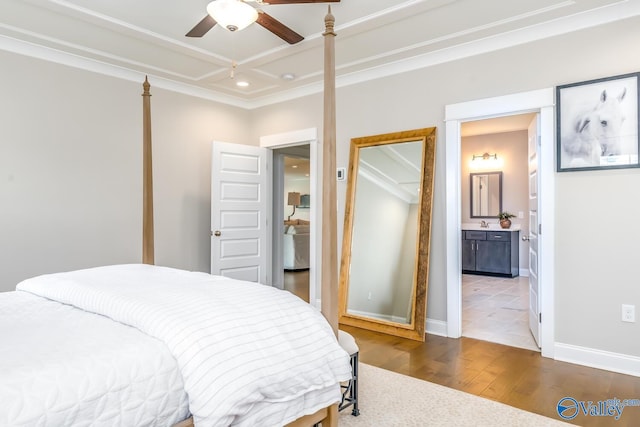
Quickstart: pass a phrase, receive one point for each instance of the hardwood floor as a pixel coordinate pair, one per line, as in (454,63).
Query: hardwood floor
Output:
(514,376)
(297,282)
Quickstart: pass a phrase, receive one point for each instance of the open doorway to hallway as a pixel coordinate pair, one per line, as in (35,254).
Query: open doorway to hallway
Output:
(495,178)
(296,190)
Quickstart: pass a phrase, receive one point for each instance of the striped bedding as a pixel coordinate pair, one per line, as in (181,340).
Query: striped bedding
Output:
(249,354)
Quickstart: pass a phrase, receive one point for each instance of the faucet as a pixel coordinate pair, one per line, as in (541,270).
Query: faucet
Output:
(484,224)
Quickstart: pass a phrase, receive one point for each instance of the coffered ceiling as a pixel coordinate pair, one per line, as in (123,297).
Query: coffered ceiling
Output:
(132,38)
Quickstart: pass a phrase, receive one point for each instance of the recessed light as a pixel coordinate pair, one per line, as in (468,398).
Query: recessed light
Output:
(288,76)
(242,83)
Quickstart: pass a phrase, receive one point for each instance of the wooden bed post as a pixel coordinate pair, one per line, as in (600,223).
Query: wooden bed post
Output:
(329,289)
(147,180)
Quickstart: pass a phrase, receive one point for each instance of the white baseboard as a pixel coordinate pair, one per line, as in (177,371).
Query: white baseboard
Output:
(436,327)
(524,272)
(594,358)
(600,359)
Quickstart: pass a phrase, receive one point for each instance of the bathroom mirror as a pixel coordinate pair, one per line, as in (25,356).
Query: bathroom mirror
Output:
(486,194)
(385,249)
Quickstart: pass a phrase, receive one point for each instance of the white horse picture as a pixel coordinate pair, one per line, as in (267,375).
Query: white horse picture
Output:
(598,124)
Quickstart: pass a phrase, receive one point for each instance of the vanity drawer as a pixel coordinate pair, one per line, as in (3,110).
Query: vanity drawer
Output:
(475,235)
(504,236)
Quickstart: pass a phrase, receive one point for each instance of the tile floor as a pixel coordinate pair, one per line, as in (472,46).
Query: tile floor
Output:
(496,309)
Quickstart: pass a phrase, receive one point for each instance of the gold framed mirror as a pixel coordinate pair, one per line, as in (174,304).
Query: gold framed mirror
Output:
(387,228)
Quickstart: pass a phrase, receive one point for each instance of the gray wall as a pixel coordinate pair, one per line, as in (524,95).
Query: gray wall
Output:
(59,124)
(71,170)
(594,262)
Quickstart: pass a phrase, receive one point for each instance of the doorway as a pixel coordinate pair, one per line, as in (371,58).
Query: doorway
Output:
(285,141)
(495,308)
(294,177)
(541,102)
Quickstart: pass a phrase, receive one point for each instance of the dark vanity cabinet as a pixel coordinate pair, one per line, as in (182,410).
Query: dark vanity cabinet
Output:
(494,253)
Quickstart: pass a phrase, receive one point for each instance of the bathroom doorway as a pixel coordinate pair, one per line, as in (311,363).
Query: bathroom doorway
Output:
(540,102)
(494,308)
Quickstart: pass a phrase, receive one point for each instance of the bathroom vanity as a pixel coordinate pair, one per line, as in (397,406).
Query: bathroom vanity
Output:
(490,251)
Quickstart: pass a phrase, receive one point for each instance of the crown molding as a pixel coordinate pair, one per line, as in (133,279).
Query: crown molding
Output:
(32,50)
(600,16)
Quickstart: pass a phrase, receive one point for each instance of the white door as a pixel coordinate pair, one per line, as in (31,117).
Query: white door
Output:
(534,185)
(240,203)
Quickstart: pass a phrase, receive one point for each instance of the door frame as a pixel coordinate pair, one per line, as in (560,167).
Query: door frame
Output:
(288,139)
(537,101)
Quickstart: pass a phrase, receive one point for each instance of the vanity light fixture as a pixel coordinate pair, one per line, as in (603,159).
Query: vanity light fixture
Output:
(486,161)
(485,156)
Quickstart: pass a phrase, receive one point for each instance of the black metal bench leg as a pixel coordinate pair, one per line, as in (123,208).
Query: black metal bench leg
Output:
(354,390)
(350,390)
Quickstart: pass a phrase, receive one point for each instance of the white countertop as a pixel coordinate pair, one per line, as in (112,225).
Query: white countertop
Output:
(493,226)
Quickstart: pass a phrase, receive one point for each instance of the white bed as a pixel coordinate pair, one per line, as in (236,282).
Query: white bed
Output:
(146,346)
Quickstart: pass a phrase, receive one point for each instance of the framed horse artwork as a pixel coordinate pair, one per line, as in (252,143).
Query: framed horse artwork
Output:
(597,124)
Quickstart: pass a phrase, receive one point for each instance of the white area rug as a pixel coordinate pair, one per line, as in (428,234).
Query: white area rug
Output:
(389,399)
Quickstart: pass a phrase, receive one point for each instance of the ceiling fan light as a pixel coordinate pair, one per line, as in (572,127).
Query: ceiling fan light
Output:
(234,15)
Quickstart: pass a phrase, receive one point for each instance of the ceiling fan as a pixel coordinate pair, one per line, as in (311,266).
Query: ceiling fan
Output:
(247,14)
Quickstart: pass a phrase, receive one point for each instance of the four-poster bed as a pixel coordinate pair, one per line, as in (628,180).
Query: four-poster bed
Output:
(146,345)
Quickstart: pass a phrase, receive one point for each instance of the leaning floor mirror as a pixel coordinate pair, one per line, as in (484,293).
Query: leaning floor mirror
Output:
(385,250)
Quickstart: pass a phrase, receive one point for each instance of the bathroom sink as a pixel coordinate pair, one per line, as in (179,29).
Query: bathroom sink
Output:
(493,226)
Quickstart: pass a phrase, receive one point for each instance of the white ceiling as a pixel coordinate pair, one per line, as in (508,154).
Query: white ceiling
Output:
(132,38)
(512,123)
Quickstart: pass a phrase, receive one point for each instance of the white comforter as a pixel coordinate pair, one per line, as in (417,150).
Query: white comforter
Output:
(248,354)
(60,367)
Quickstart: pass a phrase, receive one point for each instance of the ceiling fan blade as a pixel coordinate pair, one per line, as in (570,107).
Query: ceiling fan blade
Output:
(299,1)
(202,27)
(278,28)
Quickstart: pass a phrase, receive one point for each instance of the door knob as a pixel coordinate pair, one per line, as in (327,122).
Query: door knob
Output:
(525,238)
(217,233)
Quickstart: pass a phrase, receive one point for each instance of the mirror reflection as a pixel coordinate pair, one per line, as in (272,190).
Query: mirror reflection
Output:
(384,240)
(384,232)
(486,194)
